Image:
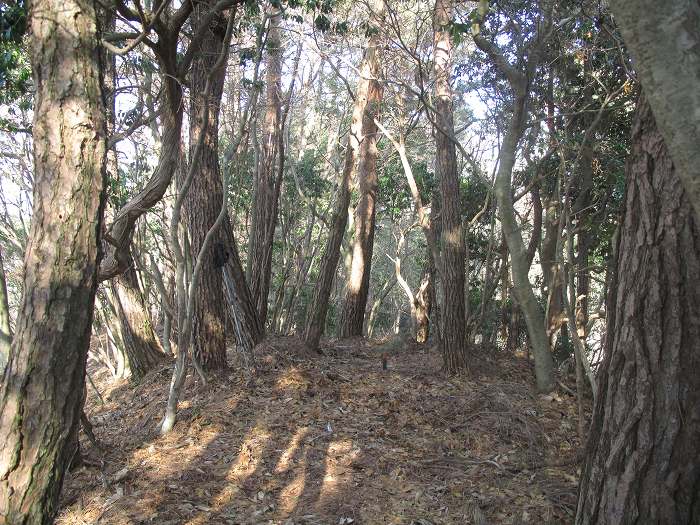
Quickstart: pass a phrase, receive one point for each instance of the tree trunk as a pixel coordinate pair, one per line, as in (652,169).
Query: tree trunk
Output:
(5,331)
(203,201)
(43,393)
(641,464)
(664,42)
(329,261)
(555,317)
(424,305)
(520,268)
(265,200)
(452,240)
(582,210)
(143,350)
(242,301)
(357,287)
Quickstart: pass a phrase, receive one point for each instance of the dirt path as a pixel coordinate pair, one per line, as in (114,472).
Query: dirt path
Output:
(332,440)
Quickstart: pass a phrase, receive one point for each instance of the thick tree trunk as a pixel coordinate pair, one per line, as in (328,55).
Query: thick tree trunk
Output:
(641,464)
(241,303)
(452,239)
(42,397)
(142,348)
(265,200)
(329,261)
(357,287)
(664,41)
(203,201)
(5,331)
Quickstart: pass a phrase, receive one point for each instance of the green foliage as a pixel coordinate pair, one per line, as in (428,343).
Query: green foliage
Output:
(322,23)
(308,171)
(394,195)
(459,31)
(15,70)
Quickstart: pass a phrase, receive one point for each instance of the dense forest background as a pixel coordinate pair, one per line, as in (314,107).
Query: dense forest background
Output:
(500,196)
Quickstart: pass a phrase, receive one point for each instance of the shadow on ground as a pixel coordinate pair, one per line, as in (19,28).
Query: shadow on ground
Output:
(332,439)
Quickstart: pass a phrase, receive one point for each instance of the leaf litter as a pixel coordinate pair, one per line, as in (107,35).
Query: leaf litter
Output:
(330,438)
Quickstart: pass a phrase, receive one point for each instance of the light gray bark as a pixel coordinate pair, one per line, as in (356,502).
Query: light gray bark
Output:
(664,41)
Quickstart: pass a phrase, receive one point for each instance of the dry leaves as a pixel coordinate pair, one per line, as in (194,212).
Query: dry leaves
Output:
(332,439)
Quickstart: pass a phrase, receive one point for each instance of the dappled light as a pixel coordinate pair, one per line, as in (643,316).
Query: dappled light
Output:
(307,440)
(393,262)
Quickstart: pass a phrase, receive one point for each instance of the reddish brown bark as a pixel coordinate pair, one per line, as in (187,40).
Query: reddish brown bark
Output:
(361,125)
(266,198)
(452,238)
(203,202)
(357,287)
(353,314)
(641,464)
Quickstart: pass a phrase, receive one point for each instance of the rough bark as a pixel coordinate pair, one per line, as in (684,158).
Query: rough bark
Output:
(357,287)
(664,41)
(453,251)
(203,202)
(42,396)
(266,197)
(142,348)
(641,464)
(329,261)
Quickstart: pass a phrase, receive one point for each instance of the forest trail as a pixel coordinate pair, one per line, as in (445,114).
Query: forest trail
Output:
(330,439)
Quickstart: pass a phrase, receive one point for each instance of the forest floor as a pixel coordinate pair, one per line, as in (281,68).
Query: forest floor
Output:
(330,439)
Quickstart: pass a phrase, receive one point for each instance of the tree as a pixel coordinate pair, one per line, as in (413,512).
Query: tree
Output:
(642,448)
(268,175)
(453,251)
(362,124)
(141,346)
(42,396)
(203,202)
(664,42)
(5,331)
(519,81)
(357,286)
